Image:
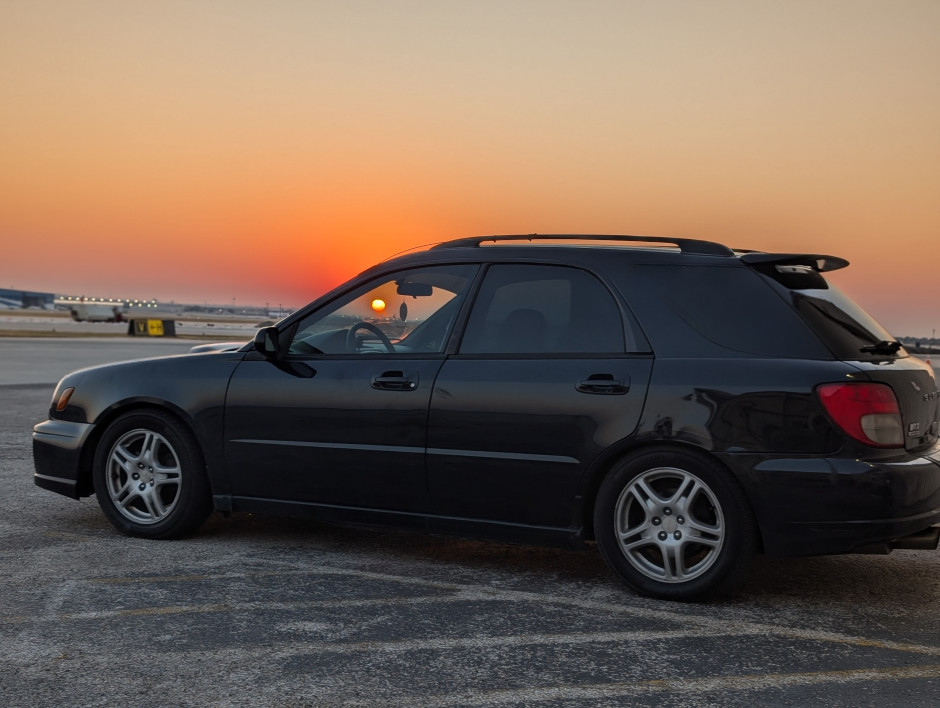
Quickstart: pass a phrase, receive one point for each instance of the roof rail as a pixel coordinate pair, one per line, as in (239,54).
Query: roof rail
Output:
(686,245)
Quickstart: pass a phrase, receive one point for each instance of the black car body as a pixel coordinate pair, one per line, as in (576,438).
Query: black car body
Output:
(683,404)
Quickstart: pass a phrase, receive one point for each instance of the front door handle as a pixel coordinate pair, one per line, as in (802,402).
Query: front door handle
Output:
(395,381)
(604,384)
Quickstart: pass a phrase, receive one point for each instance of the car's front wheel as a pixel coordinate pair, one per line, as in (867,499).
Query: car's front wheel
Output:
(149,476)
(675,525)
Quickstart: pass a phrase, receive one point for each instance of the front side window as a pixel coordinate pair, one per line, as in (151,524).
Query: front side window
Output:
(408,312)
(541,309)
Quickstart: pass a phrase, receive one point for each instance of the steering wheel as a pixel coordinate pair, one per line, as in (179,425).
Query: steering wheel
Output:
(352,341)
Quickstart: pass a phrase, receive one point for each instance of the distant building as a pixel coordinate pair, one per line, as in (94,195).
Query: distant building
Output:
(99,309)
(23,299)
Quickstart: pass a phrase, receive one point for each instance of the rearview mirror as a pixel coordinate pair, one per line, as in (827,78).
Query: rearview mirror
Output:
(415,289)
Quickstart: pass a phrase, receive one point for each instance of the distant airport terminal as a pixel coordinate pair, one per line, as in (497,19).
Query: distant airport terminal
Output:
(99,309)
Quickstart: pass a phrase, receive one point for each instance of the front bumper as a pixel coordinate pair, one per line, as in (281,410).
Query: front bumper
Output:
(57,457)
(817,505)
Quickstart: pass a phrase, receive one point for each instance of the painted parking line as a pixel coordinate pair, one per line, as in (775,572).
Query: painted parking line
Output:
(699,625)
(692,686)
(678,627)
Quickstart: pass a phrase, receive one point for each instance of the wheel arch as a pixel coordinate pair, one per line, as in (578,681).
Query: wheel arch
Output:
(605,464)
(108,416)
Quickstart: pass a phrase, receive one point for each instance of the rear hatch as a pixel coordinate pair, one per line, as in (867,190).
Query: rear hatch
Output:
(852,335)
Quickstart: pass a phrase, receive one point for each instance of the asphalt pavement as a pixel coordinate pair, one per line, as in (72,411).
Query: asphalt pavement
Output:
(265,611)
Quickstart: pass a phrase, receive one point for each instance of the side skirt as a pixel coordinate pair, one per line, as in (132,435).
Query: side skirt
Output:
(572,538)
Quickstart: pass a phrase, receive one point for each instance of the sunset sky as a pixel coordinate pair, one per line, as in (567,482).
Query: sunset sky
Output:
(266,150)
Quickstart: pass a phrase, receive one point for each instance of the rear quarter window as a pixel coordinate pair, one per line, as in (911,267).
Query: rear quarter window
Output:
(715,311)
(849,331)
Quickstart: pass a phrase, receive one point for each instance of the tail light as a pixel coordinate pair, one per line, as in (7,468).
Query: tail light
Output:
(866,412)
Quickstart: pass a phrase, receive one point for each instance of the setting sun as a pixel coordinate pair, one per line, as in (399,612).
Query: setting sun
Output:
(378,305)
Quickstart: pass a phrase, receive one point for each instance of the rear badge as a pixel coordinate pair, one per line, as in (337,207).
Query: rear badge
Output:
(913,430)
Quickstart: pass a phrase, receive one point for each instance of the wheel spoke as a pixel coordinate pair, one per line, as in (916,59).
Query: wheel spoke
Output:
(705,535)
(164,477)
(633,539)
(125,492)
(711,542)
(685,494)
(673,567)
(645,494)
(128,503)
(166,474)
(159,484)
(152,506)
(156,503)
(148,448)
(124,458)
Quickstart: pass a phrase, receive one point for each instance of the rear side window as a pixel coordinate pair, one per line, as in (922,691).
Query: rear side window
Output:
(715,311)
(542,309)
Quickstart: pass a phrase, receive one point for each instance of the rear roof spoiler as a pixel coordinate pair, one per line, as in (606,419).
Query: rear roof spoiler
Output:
(819,263)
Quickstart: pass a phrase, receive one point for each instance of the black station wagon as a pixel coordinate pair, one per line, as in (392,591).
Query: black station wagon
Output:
(681,404)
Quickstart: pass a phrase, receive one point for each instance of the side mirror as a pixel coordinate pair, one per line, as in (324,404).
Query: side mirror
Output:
(266,342)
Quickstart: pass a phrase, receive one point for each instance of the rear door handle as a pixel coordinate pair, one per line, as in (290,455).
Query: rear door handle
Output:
(395,381)
(604,384)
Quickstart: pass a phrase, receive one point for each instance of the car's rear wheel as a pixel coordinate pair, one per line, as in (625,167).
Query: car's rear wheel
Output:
(149,476)
(675,525)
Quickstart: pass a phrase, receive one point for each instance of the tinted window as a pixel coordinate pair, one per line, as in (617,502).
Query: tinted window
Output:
(845,327)
(715,311)
(533,309)
(849,331)
(408,312)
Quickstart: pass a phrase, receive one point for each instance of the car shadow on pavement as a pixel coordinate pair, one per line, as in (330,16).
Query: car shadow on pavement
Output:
(860,579)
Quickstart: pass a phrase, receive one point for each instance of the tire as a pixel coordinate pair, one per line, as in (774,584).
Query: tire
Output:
(675,526)
(149,476)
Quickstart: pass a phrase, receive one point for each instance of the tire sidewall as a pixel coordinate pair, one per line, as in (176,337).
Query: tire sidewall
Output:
(739,540)
(194,502)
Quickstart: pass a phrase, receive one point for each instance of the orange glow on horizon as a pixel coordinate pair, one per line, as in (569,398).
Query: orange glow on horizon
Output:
(272,156)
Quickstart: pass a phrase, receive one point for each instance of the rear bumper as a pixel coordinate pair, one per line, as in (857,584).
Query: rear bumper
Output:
(57,454)
(816,505)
